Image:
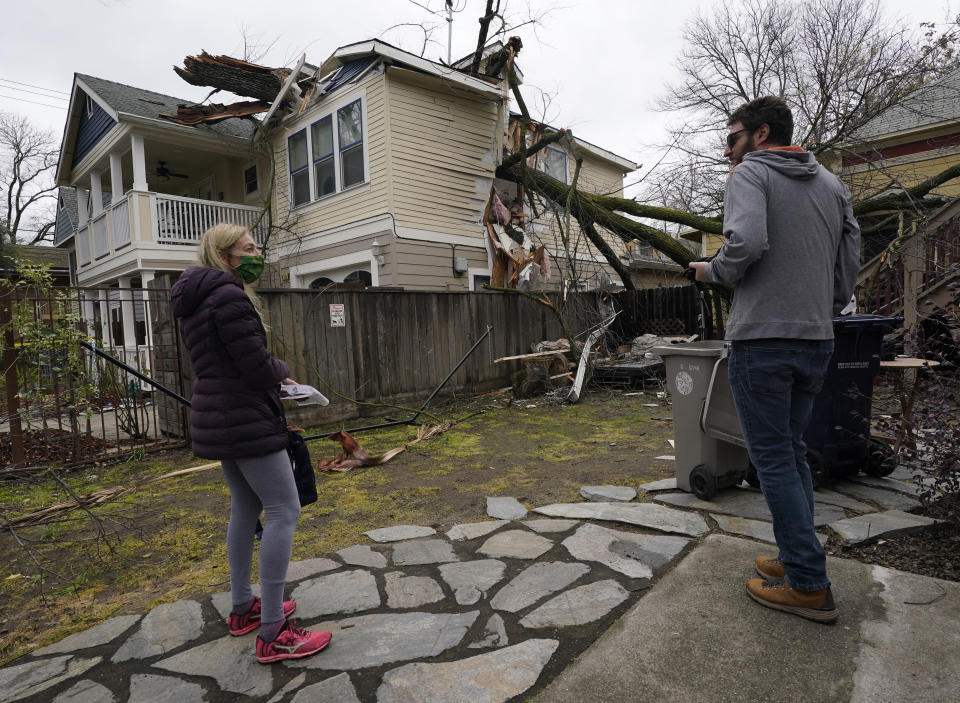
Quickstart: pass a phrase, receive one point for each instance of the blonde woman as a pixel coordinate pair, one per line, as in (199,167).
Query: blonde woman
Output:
(236,417)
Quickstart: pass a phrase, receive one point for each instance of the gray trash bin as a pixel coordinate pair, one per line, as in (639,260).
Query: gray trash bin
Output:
(708,443)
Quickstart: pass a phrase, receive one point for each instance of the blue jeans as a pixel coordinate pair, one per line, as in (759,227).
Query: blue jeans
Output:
(774,382)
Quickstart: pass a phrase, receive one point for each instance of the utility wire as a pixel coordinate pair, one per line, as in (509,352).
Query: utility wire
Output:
(30,85)
(34,102)
(32,92)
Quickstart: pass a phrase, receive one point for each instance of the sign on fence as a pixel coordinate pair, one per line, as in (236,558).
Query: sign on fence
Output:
(337,316)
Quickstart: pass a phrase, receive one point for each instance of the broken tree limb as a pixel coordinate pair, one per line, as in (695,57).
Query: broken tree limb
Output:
(238,77)
(215,112)
(906,200)
(608,253)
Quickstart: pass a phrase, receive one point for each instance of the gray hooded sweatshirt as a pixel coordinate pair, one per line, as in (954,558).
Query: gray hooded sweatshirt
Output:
(792,249)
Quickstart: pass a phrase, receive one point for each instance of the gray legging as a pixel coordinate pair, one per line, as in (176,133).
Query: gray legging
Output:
(263,482)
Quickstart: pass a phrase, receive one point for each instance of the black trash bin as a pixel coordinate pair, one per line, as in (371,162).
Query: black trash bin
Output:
(838,437)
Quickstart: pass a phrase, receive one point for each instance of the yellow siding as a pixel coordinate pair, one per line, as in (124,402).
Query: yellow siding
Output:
(351,205)
(442,145)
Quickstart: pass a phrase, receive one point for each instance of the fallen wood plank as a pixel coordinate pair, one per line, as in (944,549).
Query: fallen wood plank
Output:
(534,355)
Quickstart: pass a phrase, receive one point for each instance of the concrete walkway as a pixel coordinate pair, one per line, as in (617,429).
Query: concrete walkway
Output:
(616,600)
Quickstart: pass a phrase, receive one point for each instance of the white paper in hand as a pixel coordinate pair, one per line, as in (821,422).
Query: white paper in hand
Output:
(303,394)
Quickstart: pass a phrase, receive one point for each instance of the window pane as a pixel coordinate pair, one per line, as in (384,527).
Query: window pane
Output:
(351,127)
(301,187)
(297,146)
(250,180)
(351,162)
(322,138)
(324,176)
(556,164)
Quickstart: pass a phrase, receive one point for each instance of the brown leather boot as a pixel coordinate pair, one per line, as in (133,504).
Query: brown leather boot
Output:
(770,569)
(813,605)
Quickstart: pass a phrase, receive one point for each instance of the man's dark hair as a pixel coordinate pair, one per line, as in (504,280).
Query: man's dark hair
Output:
(769,110)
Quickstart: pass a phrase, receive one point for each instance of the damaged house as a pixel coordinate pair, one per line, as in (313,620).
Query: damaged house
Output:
(376,168)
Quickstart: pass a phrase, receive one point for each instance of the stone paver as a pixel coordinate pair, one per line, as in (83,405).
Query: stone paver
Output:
(664,484)
(888,523)
(831,497)
(86,691)
(657,517)
(344,592)
(223,602)
(475,529)
(336,689)
(493,677)
(519,544)
(505,508)
(229,661)
(906,487)
(164,628)
(399,532)
(427,551)
(373,640)
(411,591)
(362,555)
(494,634)
(578,606)
(292,685)
(106,631)
(535,582)
(22,680)
(603,494)
(888,500)
(470,580)
(298,570)
(147,688)
(745,503)
(637,556)
(547,525)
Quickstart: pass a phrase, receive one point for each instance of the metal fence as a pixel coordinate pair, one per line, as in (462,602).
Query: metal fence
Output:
(63,405)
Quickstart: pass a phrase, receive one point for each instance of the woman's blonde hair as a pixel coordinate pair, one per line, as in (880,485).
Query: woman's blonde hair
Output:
(220,239)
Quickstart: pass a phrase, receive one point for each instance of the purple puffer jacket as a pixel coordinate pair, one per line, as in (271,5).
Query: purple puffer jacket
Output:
(236,411)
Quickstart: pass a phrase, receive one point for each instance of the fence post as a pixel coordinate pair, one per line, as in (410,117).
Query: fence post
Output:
(11,382)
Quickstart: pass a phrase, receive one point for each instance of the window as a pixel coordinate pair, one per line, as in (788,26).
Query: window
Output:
(321,282)
(359,276)
(299,173)
(554,163)
(334,151)
(88,103)
(250,180)
(351,144)
(324,177)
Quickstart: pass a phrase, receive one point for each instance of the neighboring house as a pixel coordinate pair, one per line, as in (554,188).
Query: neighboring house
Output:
(381,178)
(56,261)
(917,138)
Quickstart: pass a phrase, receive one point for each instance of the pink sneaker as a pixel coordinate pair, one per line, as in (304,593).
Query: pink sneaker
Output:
(250,621)
(292,643)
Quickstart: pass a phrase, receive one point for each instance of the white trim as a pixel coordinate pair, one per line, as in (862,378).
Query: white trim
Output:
(314,268)
(441,237)
(471,272)
(336,235)
(96,98)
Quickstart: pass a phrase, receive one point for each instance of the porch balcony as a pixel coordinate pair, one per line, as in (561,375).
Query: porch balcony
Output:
(153,230)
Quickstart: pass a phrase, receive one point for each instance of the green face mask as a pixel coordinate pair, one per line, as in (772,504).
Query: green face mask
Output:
(250,268)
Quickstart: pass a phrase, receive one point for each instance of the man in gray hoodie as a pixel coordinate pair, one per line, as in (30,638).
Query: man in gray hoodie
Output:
(792,251)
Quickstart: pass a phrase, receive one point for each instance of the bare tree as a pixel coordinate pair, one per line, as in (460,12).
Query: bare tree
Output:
(837,63)
(28,157)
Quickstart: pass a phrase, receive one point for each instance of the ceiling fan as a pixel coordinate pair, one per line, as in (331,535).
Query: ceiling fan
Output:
(165,173)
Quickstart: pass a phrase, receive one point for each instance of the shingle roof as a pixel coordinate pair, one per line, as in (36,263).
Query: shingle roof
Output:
(932,104)
(146,103)
(69,198)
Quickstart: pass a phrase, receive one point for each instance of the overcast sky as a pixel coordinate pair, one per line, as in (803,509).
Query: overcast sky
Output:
(605,61)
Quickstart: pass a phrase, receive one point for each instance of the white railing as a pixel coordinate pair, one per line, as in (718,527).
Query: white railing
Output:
(101,238)
(183,220)
(83,245)
(120,214)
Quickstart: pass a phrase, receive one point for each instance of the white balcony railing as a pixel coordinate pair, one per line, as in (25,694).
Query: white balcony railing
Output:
(83,245)
(120,216)
(183,220)
(101,238)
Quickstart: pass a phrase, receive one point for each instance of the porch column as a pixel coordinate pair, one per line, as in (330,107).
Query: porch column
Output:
(96,193)
(127,303)
(116,176)
(89,315)
(139,162)
(145,278)
(105,317)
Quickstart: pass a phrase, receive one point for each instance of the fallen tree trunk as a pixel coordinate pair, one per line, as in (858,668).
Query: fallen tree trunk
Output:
(236,76)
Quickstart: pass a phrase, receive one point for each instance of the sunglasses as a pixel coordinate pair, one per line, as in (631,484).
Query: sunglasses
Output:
(732,137)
